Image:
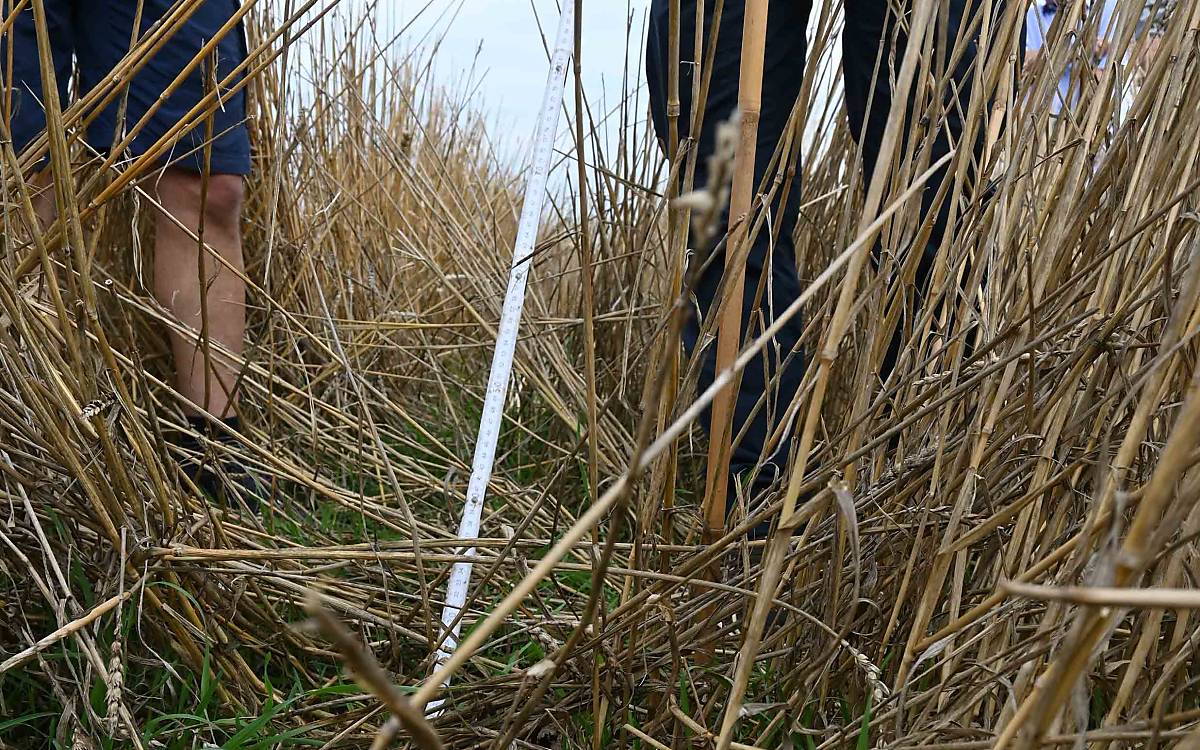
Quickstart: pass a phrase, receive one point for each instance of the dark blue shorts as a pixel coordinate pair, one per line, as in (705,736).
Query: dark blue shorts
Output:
(94,35)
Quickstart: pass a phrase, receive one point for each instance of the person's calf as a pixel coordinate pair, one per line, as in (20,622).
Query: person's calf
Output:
(199,277)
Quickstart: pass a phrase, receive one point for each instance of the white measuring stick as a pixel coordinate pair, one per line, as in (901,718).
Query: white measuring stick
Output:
(506,338)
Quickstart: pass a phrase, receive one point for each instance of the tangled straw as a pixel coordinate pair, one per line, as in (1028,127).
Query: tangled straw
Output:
(1005,524)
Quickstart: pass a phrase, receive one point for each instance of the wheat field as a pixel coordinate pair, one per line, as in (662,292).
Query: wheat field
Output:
(996,548)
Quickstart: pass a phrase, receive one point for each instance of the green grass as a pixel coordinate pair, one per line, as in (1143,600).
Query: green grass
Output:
(181,714)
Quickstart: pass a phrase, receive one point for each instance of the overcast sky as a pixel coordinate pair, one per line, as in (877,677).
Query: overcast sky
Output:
(496,49)
(499,44)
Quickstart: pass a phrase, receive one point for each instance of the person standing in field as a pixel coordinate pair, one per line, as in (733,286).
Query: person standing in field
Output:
(1040,16)
(198,184)
(868,60)
(1155,17)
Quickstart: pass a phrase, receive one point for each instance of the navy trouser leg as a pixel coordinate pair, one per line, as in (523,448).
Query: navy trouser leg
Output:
(870,27)
(778,372)
(868,30)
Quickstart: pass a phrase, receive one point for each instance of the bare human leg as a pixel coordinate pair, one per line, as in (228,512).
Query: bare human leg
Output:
(42,192)
(198,264)
(197,287)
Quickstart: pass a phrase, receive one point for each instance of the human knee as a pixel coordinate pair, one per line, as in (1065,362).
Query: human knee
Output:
(223,199)
(220,196)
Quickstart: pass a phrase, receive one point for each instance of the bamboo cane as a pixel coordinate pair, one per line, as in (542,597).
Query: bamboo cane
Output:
(774,561)
(676,241)
(754,36)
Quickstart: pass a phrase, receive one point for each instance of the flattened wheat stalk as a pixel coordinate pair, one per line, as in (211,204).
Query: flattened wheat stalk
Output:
(1055,455)
(368,673)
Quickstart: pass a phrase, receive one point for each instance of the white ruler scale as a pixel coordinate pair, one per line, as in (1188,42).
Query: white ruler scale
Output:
(506,337)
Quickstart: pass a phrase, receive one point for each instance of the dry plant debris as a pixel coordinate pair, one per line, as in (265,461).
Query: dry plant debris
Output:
(998,545)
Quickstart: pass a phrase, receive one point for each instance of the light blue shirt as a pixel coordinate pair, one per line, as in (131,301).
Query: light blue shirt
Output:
(1037,27)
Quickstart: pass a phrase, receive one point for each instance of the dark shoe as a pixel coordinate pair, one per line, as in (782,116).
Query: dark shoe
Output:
(211,463)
